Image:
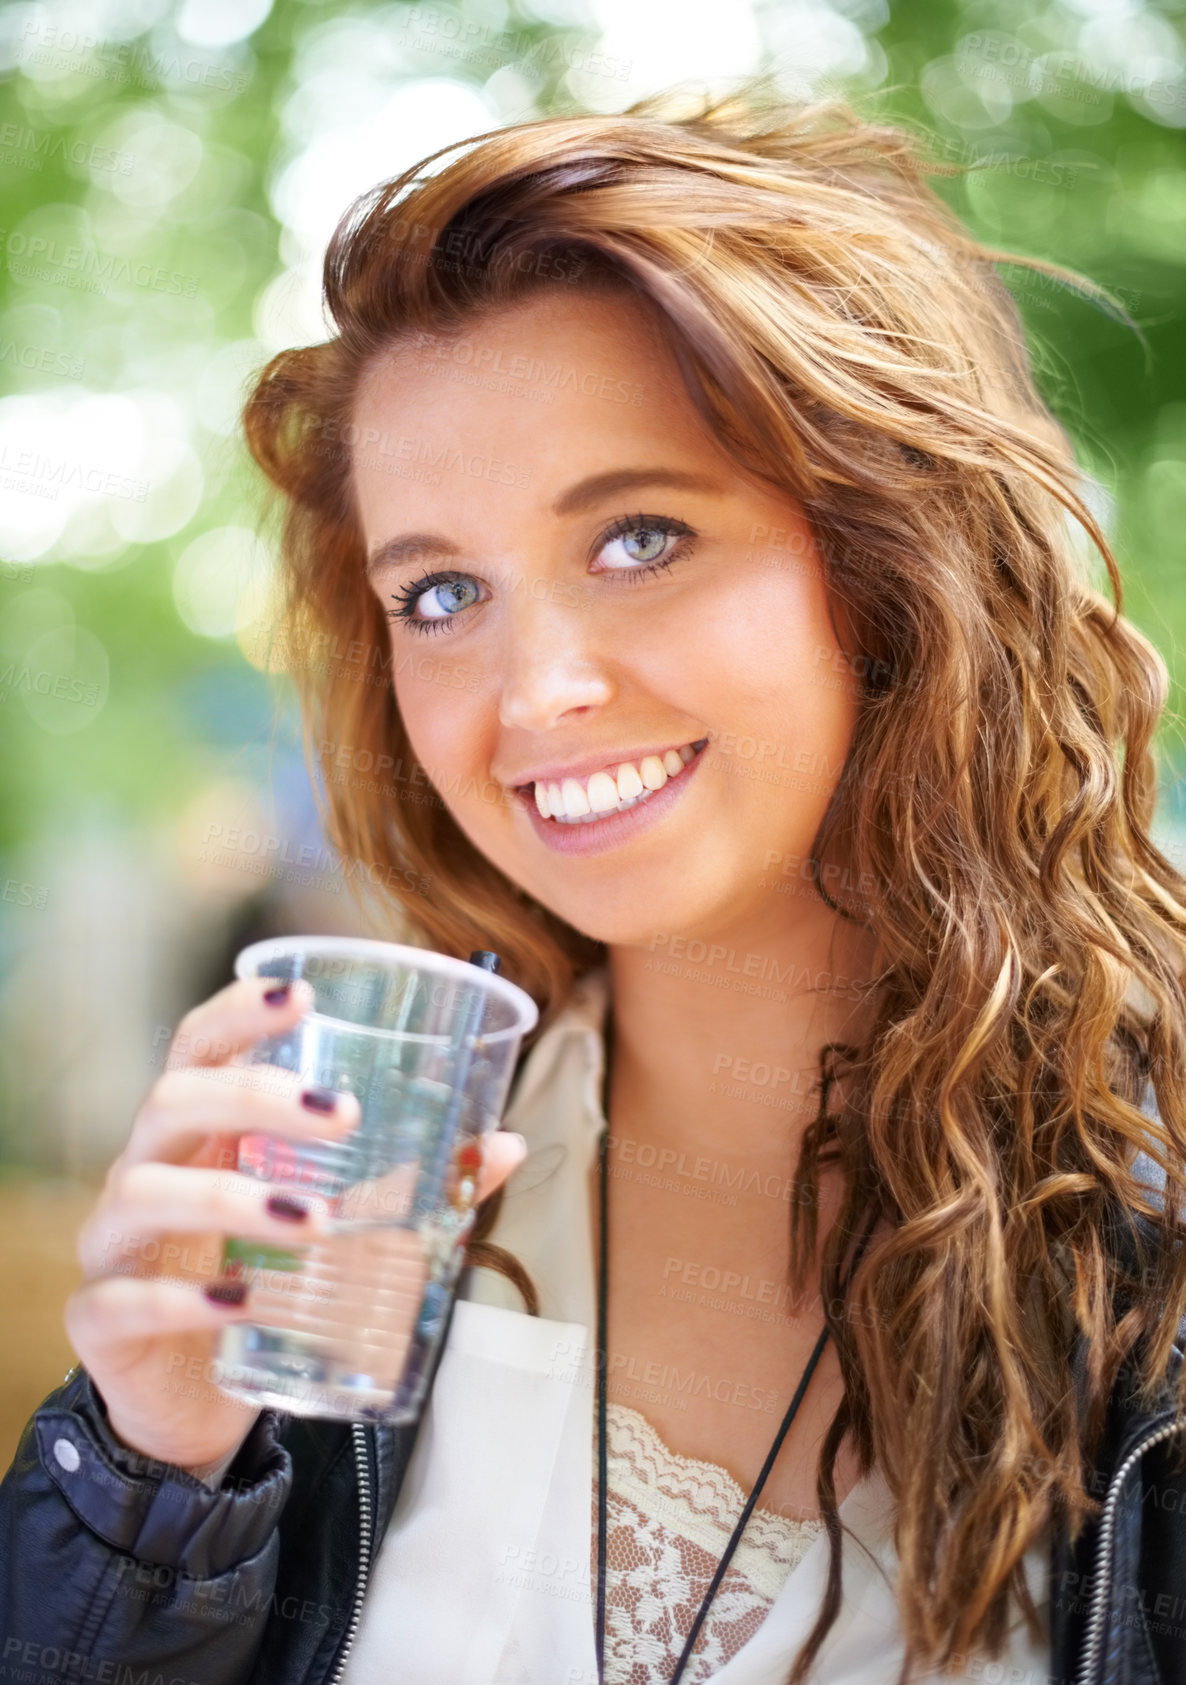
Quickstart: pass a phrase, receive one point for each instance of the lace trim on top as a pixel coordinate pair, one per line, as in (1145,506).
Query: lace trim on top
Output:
(669,1519)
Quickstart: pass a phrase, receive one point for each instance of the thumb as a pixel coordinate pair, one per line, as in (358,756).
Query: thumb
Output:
(503,1151)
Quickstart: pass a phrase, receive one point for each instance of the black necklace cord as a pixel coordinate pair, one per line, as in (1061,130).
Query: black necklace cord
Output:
(731,1547)
(602,1454)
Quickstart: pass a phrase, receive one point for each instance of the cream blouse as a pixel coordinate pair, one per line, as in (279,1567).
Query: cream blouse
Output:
(487,1572)
(669,1520)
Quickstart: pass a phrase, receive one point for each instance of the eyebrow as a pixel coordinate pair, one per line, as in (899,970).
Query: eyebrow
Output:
(415,545)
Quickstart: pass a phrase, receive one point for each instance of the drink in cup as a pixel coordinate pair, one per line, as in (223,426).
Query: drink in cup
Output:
(349,1326)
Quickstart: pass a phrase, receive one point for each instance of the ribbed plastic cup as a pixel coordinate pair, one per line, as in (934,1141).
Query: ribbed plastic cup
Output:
(349,1327)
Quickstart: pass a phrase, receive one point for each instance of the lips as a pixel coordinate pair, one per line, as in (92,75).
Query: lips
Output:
(603,833)
(612,788)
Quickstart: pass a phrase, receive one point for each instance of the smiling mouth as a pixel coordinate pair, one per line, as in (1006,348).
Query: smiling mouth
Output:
(582,802)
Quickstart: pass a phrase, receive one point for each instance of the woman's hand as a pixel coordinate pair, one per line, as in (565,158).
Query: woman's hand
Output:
(141,1322)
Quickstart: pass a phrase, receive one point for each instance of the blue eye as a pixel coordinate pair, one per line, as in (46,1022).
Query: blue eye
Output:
(651,532)
(455,592)
(452,598)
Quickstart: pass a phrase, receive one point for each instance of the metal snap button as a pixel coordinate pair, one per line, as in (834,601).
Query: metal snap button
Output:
(67,1454)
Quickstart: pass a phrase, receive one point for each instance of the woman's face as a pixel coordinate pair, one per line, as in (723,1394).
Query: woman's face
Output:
(582,582)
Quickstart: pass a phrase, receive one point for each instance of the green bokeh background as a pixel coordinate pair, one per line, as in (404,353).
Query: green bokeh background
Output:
(163,152)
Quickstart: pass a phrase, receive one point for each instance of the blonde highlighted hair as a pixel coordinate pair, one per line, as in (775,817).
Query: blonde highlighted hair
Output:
(848,339)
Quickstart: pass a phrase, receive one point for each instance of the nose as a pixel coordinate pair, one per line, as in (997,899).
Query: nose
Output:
(552,665)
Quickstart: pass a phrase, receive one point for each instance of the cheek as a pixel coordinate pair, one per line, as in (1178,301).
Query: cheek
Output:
(764,645)
(447,725)
(436,732)
(772,678)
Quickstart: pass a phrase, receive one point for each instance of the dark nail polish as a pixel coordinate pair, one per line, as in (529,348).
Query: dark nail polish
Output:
(226,1292)
(279,995)
(319,1099)
(292,1210)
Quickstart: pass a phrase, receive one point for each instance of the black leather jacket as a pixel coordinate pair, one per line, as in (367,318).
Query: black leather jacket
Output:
(117,1569)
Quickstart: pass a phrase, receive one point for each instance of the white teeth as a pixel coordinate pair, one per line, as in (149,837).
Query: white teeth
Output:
(603,793)
(590,818)
(575,803)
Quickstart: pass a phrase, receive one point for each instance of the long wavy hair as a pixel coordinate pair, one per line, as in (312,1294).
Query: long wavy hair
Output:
(846,338)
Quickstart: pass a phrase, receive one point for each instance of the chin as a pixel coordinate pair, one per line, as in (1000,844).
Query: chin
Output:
(633,919)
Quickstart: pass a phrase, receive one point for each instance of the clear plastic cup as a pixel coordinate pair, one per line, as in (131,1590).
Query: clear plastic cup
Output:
(349,1327)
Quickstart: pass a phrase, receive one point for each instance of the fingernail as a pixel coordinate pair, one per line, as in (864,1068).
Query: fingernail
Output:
(319,1099)
(226,1292)
(279,995)
(292,1210)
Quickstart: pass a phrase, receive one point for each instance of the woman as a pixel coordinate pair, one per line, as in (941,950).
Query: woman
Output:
(855,1119)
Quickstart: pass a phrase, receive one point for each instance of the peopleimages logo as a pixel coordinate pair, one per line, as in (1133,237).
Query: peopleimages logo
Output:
(46,1662)
(16,139)
(64,686)
(46,475)
(421,452)
(43,258)
(764,967)
(518,367)
(265,855)
(59,46)
(41,359)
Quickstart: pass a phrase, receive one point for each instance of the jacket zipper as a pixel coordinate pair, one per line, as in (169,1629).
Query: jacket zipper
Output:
(364,1545)
(1095,1624)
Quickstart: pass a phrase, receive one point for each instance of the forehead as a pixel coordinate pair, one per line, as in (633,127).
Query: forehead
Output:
(567,382)
(547,338)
